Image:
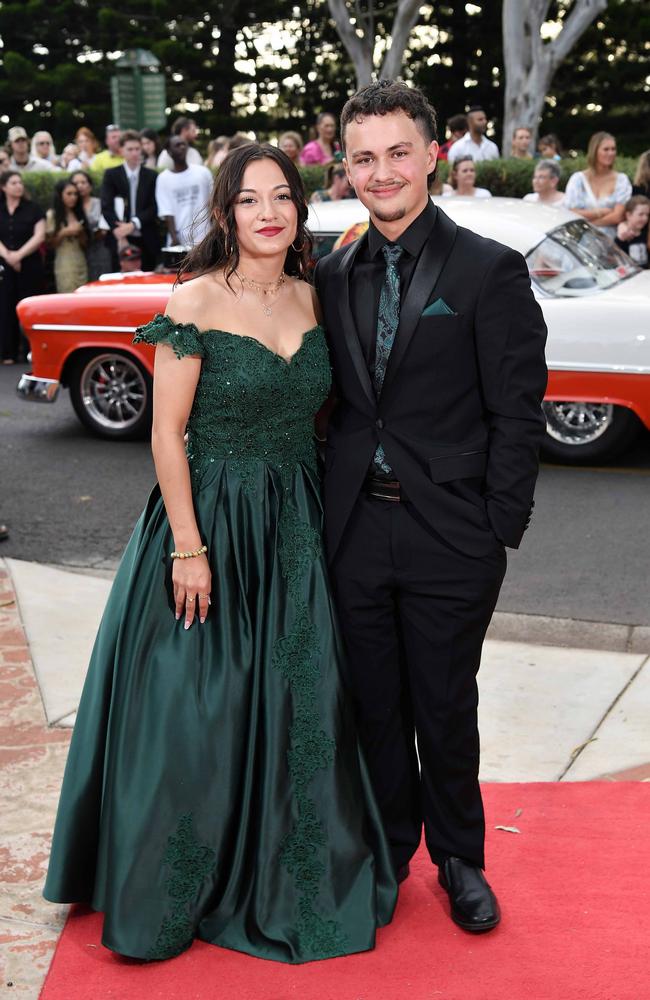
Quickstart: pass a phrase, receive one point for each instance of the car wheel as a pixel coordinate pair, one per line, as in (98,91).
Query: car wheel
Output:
(581,433)
(111,394)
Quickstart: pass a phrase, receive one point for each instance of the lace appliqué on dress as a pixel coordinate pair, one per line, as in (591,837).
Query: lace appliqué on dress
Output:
(183,338)
(296,656)
(189,863)
(251,407)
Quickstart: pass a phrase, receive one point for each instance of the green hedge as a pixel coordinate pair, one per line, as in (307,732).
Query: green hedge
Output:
(40,184)
(514,178)
(505,178)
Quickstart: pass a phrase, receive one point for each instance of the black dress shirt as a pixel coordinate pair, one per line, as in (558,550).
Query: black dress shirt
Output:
(368,272)
(18,227)
(367,277)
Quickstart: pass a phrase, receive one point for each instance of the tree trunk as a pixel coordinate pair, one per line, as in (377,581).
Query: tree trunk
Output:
(406,17)
(360,48)
(225,75)
(530,63)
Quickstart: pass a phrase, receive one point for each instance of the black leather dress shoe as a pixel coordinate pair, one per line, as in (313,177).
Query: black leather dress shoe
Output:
(402,873)
(474,906)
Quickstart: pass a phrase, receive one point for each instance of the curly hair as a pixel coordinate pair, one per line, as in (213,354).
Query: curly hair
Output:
(386,96)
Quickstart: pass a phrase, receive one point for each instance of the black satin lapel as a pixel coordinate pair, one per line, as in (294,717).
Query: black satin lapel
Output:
(425,277)
(342,287)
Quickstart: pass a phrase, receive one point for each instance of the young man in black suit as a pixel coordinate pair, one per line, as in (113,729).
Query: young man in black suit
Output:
(437,345)
(135,186)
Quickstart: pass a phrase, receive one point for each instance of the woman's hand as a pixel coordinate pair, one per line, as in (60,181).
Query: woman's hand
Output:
(12,259)
(192,582)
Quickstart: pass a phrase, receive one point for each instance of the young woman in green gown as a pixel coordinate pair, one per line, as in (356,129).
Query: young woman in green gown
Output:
(214,787)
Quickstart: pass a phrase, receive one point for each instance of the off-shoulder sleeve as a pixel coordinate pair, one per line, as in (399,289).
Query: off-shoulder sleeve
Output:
(623,189)
(183,338)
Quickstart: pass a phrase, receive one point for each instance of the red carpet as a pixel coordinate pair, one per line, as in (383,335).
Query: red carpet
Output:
(575,892)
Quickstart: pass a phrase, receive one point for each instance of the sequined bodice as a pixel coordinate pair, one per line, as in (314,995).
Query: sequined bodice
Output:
(250,403)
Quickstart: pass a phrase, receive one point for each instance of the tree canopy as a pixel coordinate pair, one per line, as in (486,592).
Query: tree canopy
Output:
(268,65)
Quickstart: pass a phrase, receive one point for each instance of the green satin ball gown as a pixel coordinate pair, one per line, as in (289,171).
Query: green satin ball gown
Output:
(214,787)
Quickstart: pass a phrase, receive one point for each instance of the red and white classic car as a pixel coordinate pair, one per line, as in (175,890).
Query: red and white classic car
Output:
(596,303)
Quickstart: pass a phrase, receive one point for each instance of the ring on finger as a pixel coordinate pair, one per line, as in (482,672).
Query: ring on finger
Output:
(189,600)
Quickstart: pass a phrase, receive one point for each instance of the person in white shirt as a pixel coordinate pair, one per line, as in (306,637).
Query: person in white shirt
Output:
(463,177)
(69,159)
(43,150)
(21,158)
(187,130)
(182,195)
(474,143)
(546,178)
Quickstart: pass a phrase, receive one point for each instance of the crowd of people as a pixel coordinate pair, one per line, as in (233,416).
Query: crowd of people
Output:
(153,193)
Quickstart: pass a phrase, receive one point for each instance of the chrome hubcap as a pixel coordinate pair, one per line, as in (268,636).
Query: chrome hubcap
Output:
(114,391)
(577,423)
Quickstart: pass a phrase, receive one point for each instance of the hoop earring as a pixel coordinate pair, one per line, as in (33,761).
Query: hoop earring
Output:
(300,248)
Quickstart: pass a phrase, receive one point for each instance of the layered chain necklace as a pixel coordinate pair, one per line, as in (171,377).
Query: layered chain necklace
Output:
(266,291)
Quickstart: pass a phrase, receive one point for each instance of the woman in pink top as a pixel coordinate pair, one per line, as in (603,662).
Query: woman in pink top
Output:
(322,149)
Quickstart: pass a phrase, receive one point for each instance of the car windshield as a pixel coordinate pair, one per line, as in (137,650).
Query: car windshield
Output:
(577,259)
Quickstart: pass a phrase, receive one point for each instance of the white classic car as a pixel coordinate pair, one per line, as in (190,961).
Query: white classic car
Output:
(596,303)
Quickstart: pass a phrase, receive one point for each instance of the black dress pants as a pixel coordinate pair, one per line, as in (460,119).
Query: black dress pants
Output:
(414,613)
(148,250)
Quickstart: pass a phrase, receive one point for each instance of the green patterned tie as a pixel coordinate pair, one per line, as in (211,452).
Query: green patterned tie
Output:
(387,323)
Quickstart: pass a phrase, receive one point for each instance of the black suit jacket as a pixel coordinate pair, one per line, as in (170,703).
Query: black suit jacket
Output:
(116,184)
(460,415)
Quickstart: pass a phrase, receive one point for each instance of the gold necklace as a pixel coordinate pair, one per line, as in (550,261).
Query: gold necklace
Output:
(263,289)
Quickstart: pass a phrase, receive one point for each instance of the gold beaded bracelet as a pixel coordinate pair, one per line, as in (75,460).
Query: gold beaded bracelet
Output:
(189,555)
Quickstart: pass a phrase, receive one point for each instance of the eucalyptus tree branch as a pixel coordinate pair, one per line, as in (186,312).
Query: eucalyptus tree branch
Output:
(582,15)
(357,48)
(530,62)
(406,17)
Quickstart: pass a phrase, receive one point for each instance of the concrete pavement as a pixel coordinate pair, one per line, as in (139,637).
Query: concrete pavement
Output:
(548,713)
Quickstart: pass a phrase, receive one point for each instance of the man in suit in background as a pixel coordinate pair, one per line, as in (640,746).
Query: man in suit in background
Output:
(437,345)
(128,197)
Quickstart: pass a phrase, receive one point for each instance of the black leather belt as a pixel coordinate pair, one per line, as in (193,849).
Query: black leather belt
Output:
(384,489)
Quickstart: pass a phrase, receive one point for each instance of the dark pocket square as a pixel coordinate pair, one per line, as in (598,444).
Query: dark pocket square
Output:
(438,308)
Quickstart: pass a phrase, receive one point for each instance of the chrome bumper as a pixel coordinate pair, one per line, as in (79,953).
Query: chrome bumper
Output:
(38,390)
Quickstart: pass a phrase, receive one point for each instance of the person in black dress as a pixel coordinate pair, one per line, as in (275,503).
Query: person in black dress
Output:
(22,232)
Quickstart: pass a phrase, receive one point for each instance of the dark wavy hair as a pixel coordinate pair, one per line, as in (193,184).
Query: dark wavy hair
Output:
(60,211)
(385,96)
(220,247)
(5,177)
(82,173)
